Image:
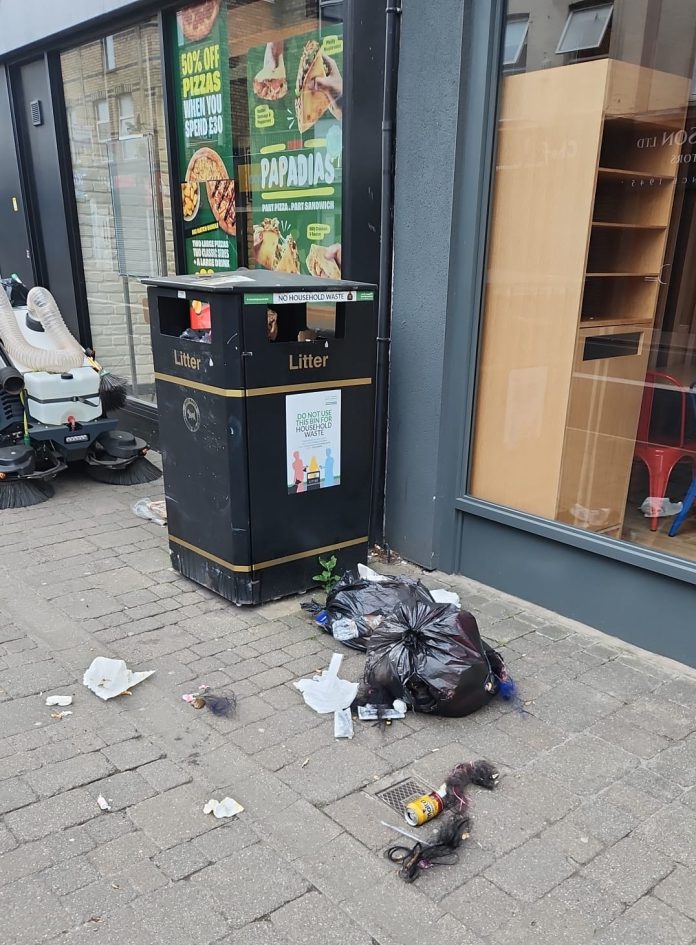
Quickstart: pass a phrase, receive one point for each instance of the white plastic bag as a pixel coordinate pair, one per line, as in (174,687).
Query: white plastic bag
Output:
(327,693)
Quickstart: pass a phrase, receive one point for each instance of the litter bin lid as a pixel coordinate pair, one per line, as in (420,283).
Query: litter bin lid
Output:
(257,280)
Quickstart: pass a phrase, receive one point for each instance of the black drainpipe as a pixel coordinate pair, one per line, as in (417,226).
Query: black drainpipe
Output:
(391,71)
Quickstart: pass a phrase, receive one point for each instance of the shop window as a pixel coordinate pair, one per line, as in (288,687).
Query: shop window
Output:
(586,388)
(516,29)
(585,28)
(102,120)
(261,164)
(113,91)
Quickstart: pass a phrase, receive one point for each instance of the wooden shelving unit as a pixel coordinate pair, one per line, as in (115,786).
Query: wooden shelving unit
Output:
(573,283)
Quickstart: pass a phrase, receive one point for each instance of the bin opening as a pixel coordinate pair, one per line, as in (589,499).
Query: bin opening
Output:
(184,318)
(312,321)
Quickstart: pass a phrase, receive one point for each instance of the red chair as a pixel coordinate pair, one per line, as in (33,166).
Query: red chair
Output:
(662,453)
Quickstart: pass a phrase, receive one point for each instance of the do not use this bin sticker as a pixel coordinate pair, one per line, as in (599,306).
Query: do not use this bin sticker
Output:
(313,440)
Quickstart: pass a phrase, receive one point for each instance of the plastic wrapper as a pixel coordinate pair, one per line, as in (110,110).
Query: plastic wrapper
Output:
(363,601)
(151,510)
(431,656)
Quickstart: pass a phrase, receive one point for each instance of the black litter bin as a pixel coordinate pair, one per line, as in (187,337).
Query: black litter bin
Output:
(266,439)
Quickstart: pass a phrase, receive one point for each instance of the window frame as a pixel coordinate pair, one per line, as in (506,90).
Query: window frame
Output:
(515,18)
(573,11)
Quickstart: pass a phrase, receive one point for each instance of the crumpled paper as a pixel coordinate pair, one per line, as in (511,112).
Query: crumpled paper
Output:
(107,678)
(227,807)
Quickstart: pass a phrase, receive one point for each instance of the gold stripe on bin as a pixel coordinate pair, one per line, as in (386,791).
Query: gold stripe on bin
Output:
(196,385)
(315,385)
(239,568)
(286,559)
(262,391)
(274,562)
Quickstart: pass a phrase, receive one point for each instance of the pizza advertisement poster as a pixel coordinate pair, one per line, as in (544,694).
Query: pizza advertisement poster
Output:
(313,440)
(295,89)
(204,131)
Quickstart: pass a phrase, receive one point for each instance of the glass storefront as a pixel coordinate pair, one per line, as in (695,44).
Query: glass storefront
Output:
(114,101)
(257,134)
(586,391)
(258,91)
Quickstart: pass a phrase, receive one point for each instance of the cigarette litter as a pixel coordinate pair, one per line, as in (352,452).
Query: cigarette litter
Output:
(59,700)
(103,803)
(227,807)
(60,715)
(107,678)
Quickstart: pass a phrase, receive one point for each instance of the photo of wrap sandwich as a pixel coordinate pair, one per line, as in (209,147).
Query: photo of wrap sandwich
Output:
(271,82)
(274,251)
(320,264)
(310,103)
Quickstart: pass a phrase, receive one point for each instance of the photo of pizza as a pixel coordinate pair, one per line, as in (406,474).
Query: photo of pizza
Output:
(198,19)
(205,165)
(222,199)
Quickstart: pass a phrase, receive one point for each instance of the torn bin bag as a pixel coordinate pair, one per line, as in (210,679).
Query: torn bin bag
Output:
(357,602)
(432,657)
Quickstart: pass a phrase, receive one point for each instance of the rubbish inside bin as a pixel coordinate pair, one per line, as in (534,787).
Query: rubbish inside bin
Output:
(431,656)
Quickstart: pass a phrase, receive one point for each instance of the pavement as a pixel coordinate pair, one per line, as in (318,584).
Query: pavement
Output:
(590,836)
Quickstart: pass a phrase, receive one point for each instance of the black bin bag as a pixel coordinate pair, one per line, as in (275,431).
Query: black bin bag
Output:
(431,656)
(363,601)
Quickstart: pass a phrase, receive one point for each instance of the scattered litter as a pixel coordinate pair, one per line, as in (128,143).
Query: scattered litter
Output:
(441,596)
(344,629)
(227,807)
(107,678)
(404,833)
(343,724)
(304,763)
(326,692)
(370,713)
(454,824)
(59,700)
(103,803)
(442,851)
(152,510)
(60,715)
(432,657)
(219,705)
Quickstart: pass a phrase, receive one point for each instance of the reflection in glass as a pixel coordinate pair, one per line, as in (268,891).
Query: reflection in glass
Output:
(585,412)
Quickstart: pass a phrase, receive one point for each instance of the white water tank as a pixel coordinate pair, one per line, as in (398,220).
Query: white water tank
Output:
(52,398)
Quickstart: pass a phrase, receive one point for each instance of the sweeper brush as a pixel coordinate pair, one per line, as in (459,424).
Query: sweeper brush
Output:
(54,403)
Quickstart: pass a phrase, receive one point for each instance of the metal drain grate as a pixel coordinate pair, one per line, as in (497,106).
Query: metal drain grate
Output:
(399,795)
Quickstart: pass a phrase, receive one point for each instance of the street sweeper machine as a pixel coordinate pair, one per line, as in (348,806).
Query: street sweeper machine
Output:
(54,403)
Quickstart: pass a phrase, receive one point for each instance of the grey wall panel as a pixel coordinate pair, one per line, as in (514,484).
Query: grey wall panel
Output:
(30,21)
(644,608)
(427,111)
